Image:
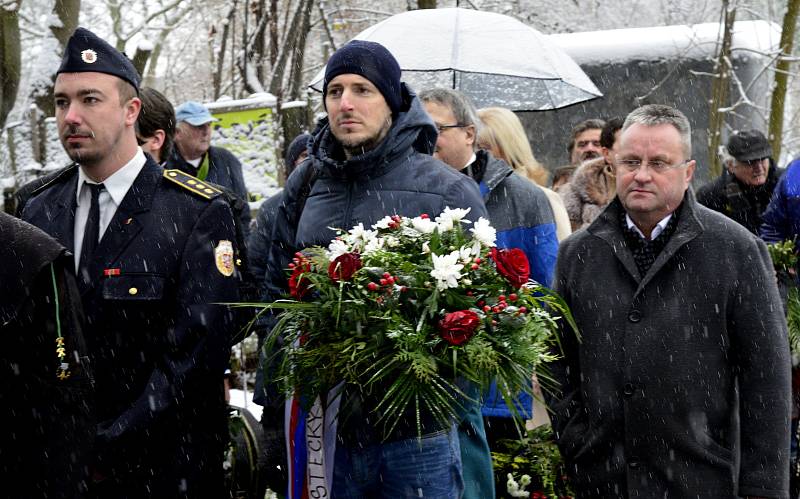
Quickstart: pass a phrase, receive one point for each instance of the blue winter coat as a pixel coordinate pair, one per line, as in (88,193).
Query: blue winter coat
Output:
(781,221)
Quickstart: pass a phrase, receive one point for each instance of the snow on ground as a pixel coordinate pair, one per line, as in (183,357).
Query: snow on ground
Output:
(240,399)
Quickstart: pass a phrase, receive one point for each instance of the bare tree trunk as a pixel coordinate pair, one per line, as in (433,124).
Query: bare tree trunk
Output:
(140,59)
(67,13)
(323,17)
(260,42)
(221,57)
(273,33)
(10,59)
(299,53)
(775,132)
(279,68)
(426,4)
(719,91)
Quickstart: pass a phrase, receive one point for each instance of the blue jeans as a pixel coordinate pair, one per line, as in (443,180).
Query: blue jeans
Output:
(429,467)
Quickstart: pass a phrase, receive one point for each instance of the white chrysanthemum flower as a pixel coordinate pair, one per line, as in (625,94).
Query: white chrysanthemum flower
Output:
(483,232)
(357,233)
(383,223)
(465,254)
(392,242)
(449,217)
(446,270)
(426,248)
(373,245)
(423,225)
(336,249)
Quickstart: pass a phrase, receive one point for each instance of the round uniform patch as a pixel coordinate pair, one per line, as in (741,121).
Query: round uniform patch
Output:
(89,56)
(223,255)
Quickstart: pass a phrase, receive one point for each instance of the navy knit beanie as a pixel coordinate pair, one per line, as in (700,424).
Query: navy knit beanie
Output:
(372,61)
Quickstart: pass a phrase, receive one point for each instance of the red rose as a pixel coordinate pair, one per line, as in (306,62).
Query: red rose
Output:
(298,286)
(344,266)
(513,265)
(458,327)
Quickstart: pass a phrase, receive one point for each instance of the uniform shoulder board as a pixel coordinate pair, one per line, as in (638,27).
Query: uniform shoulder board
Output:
(192,184)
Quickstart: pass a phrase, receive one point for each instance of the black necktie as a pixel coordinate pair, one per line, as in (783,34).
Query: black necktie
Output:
(91,234)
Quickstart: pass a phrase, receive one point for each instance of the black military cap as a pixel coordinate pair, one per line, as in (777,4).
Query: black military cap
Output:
(86,52)
(748,145)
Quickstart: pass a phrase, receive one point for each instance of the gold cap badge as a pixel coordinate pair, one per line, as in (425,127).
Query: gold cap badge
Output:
(223,255)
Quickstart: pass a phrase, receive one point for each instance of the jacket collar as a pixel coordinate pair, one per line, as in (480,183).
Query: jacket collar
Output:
(495,170)
(607,227)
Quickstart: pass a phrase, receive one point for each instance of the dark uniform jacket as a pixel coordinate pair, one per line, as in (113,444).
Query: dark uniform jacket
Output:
(397,177)
(679,386)
(739,202)
(48,422)
(158,337)
(223,170)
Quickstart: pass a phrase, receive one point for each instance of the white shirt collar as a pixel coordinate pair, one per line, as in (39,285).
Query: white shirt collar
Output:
(119,182)
(471,160)
(658,229)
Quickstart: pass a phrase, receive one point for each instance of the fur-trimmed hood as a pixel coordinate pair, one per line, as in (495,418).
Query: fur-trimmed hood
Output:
(589,190)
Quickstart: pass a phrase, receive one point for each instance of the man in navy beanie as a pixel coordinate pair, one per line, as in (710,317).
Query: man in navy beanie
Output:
(371,157)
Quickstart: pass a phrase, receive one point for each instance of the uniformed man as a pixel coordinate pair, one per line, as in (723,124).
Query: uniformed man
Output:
(154,255)
(46,404)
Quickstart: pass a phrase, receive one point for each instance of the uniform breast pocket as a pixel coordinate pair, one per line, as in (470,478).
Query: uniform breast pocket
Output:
(134,287)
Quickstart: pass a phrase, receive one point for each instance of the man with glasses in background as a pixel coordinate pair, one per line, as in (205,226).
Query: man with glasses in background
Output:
(744,189)
(521,213)
(679,384)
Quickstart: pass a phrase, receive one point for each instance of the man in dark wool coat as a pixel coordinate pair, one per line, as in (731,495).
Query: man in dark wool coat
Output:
(46,403)
(679,384)
(154,258)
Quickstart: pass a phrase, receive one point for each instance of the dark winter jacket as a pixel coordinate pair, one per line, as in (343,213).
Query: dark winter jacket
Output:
(225,170)
(48,421)
(397,177)
(521,214)
(740,203)
(679,386)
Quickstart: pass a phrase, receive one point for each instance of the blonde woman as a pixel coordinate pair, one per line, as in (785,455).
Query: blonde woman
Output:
(503,136)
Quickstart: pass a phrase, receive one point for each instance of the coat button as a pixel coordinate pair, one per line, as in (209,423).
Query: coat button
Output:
(634,316)
(628,389)
(133,291)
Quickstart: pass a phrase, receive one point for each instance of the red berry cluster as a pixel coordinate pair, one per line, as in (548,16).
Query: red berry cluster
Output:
(396,221)
(386,283)
(502,303)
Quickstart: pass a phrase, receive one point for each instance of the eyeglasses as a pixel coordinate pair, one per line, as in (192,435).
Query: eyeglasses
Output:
(656,165)
(442,128)
(752,164)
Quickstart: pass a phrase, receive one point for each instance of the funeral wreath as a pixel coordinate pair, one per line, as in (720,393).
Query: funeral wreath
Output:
(410,308)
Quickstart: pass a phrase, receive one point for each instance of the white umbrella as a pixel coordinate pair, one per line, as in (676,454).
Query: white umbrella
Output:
(495,59)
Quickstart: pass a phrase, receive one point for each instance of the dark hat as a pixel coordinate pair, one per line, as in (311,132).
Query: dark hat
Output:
(748,145)
(86,52)
(297,147)
(372,61)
